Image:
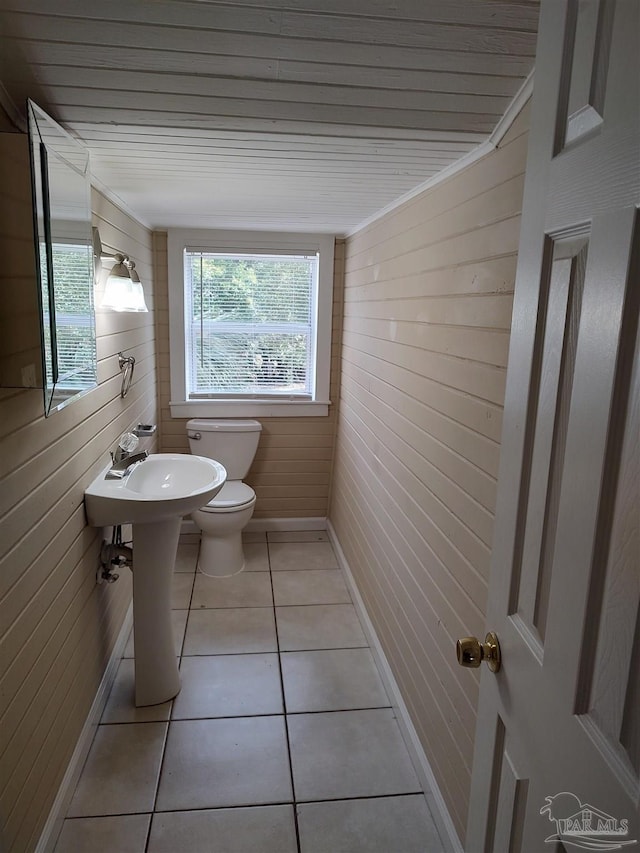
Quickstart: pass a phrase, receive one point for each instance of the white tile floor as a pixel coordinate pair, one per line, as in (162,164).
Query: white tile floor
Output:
(282,739)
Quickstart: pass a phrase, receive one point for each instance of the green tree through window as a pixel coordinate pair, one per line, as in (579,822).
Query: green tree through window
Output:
(250,323)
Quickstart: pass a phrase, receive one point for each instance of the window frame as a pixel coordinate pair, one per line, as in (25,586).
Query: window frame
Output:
(178,240)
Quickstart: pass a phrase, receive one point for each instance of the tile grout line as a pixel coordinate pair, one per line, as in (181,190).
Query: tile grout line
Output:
(294,802)
(270,804)
(284,705)
(166,737)
(306,713)
(160,769)
(193,587)
(266,714)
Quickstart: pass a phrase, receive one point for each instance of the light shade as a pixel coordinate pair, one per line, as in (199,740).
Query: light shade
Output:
(123,290)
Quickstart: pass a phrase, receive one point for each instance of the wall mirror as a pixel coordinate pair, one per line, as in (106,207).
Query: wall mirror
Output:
(64,259)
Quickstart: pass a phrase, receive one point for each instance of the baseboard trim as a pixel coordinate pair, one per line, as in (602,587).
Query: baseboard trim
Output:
(433,795)
(259,525)
(278,524)
(61,803)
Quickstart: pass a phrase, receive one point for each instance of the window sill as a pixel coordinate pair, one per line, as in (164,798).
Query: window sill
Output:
(248,409)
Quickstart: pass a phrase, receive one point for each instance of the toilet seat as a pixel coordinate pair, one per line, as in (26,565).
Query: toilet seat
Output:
(234,495)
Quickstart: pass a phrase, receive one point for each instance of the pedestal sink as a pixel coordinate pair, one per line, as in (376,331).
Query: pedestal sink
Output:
(153,497)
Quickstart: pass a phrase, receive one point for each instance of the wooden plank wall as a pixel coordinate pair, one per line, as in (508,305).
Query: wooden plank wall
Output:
(428,294)
(57,627)
(291,471)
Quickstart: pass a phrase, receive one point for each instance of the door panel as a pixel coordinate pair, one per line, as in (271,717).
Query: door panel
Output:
(506,826)
(589,28)
(553,378)
(558,724)
(607,694)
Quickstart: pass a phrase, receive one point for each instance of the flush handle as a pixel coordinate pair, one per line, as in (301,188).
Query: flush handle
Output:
(195,435)
(471,652)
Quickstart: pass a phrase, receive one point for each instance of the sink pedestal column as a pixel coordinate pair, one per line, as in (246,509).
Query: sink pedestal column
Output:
(154,553)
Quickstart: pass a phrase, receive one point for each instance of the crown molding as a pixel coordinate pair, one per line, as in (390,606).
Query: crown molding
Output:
(486,147)
(104,190)
(513,110)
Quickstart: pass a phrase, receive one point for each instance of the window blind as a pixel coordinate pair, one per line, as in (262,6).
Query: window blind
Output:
(250,324)
(75,333)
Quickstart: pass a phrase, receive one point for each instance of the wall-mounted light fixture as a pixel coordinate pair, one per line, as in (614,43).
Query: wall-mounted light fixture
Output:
(122,287)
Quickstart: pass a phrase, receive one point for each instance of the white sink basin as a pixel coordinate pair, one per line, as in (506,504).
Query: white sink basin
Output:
(165,485)
(154,497)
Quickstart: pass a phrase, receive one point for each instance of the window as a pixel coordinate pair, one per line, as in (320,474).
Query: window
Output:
(250,323)
(75,349)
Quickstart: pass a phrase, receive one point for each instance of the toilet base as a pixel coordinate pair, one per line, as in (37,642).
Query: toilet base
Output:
(221,557)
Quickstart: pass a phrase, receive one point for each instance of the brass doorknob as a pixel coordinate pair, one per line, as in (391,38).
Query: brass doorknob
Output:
(471,652)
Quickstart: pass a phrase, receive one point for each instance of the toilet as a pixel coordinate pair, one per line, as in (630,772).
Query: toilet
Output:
(233,443)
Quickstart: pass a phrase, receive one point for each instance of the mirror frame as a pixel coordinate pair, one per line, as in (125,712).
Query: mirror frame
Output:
(53,152)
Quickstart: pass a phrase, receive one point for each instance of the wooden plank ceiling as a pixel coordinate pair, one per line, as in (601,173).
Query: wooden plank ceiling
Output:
(268,114)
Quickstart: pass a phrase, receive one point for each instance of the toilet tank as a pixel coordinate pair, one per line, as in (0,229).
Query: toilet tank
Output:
(233,443)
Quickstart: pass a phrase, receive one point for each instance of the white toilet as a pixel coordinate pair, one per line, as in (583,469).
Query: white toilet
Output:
(233,443)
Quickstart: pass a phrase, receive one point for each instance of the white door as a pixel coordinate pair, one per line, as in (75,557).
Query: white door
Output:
(557,757)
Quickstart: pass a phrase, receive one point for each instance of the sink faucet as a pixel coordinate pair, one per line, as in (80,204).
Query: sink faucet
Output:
(123,462)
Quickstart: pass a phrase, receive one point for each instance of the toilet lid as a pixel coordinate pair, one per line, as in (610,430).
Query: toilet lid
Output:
(234,493)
